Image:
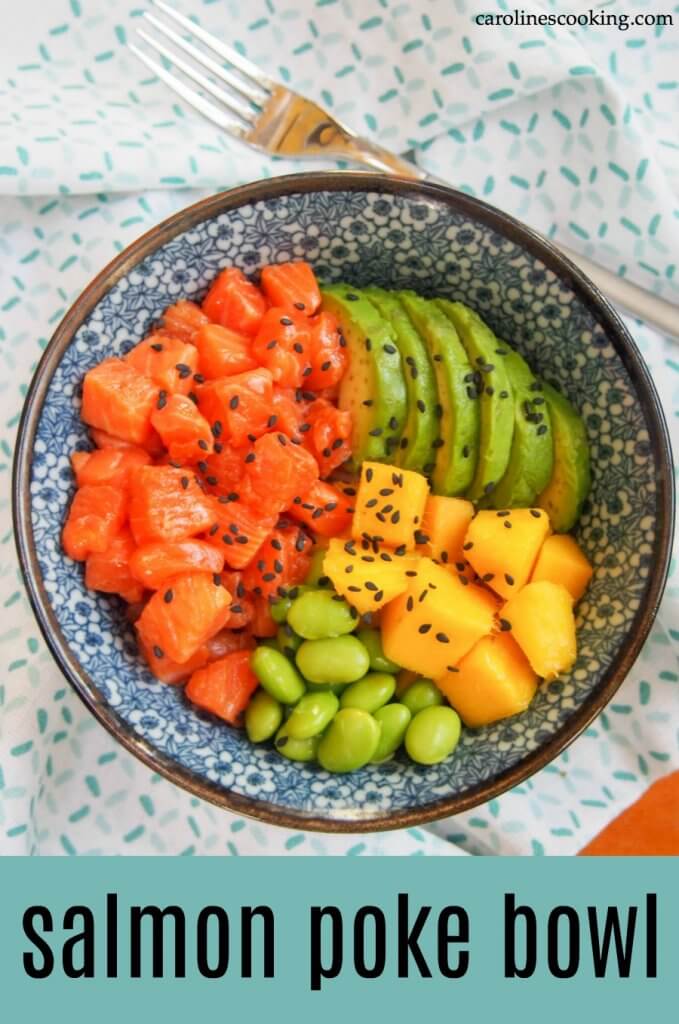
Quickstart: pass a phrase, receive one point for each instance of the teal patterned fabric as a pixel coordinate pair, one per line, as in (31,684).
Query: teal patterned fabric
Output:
(573,131)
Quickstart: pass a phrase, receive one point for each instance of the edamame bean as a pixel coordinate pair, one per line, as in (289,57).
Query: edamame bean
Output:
(295,750)
(311,715)
(421,694)
(432,735)
(372,641)
(369,693)
(287,640)
(320,613)
(263,716)
(279,609)
(393,720)
(277,675)
(341,659)
(349,742)
(315,576)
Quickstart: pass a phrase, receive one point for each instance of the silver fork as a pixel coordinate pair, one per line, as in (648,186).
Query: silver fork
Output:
(270,117)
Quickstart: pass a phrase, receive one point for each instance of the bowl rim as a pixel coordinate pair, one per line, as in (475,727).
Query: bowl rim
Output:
(335,181)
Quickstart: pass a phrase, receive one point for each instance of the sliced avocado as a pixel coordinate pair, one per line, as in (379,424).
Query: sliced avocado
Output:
(373,388)
(422,424)
(531,458)
(490,383)
(456,448)
(564,495)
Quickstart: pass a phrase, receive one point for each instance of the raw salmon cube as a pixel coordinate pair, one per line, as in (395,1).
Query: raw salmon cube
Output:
(108,465)
(169,671)
(238,406)
(222,352)
(224,687)
(184,432)
(183,320)
(96,515)
(166,504)
(109,571)
(183,615)
(120,400)
(169,362)
(154,564)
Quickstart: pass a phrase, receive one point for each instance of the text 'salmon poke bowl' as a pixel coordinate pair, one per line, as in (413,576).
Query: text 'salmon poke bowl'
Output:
(281,516)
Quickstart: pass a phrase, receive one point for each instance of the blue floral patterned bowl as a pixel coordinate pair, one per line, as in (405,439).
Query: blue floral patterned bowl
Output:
(363,229)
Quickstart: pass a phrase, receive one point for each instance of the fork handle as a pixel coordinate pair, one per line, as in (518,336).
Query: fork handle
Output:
(640,302)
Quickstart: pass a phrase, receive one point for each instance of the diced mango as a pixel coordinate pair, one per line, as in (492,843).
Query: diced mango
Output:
(436,621)
(493,681)
(445,524)
(367,575)
(502,547)
(389,505)
(542,622)
(561,560)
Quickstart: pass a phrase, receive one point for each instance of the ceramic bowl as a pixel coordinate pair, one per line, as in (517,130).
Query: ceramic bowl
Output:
(363,229)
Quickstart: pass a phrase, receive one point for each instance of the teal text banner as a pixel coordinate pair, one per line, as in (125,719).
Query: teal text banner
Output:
(386,939)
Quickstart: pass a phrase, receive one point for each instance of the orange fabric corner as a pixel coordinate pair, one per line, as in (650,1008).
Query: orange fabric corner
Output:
(650,827)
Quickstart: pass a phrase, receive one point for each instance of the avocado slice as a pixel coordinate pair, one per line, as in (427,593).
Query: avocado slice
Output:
(564,495)
(456,448)
(490,383)
(373,388)
(422,424)
(531,458)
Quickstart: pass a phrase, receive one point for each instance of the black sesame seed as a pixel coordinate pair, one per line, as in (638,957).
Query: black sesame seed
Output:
(535,513)
(213,529)
(404,442)
(325,366)
(503,512)
(376,432)
(298,347)
(368,345)
(463,580)
(507,525)
(468,546)
(504,394)
(410,604)
(413,372)
(193,396)
(438,443)
(217,579)
(489,487)
(421,406)
(158,651)
(216,428)
(505,625)
(542,429)
(183,370)
(162,400)
(212,480)
(424,628)
(286,321)
(185,482)
(379,595)
(199,378)
(157,347)
(350,297)
(367,402)
(298,305)
(490,391)
(509,579)
(488,576)
(242,539)
(250,457)
(326,453)
(203,445)
(271,422)
(442,638)
(389,349)
(233,404)
(167,597)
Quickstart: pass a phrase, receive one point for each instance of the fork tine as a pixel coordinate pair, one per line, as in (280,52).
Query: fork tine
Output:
(256,94)
(245,66)
(232,103)
(209,110)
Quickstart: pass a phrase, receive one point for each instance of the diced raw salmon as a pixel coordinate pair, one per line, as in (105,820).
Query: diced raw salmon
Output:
(292,285)
(224,687)
(183,320)
(109,570)
(169,362)
(96,515)
(324,508)
(184,431)
(222,352)
(238,407)
(120,400)
(169,671)
(154,564)
(108,465)
(240,531)
(183,615)
(234,301)
(166,504)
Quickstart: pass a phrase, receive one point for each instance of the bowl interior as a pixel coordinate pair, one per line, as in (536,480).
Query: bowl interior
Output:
(397,238)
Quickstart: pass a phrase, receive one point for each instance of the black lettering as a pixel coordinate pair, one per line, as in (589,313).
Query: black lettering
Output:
(84,937)
(408,939)
(651,935)
(158,916)
(571,916)
(512,913)
(32,967)
(318,970)
(445,939)
(111,935)
(203,942)
(380,944)
(612,930)
(246,916)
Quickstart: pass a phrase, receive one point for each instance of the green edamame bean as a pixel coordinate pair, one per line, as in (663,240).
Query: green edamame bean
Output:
(294,749)
(311,715)
(349,742)
(263,716)
(287,640)
(277,675)
(279,609)
(315,576)
(341,659)
(421,694)
(372,641)
(432,735)
(320,613)
(393,720)
(369,693)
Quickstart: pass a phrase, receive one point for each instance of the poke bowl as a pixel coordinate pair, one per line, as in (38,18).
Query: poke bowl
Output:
(408,238)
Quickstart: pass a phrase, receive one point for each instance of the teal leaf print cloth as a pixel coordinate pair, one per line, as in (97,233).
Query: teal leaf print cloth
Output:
(570,129)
